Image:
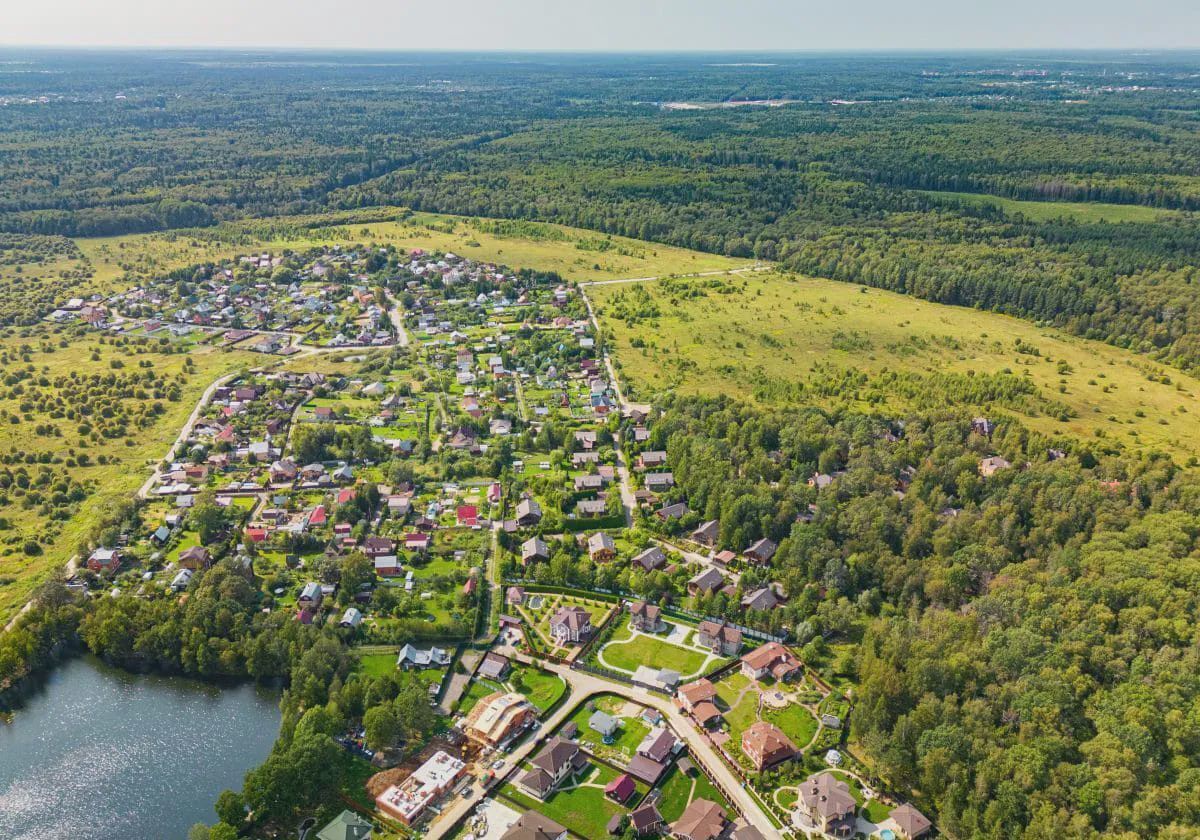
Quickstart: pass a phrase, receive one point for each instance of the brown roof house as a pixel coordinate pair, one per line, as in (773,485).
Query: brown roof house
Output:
(556,761)
(534,549)
(571,624)
(529,512)
(707,533)
(701,820)
(760,552)
(695,693)
(650,559)
(766,745)
(534,826)
(646,617)
(195,558)
(910,823)
(719,637)
(601,547)
(827,801)
(705,582)
(771,659)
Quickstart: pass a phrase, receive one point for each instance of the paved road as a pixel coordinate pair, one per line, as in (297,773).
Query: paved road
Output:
(396,313)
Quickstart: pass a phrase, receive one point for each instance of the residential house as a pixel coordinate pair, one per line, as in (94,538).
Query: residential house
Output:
(828,803)
(766,745)
(310,595)
(760,552)
(719,637)
(570,624)
(763,598)
(604,724)
(645,819)
(771,659)
(590,508)
(621,788)
(412,657)
(534,826)
(651,459)
(695,693)
(104,560)
(497,717)
(705,582)
(554,763)
(529,512)
(990,466)
(601,547)
(707,533)
(515,596)
(346,826)
(351,618)
(650,559)
(646,617)
(659,481)
(701,820)
(658,745)
(533,550)
(910,823)
(195,558)
(666,513)
(494,666)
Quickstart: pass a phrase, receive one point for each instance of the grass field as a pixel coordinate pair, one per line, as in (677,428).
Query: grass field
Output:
(796,722)
(760,335)
(574,253)
(584,810)
(129,458)
(1045,210)
(679,789)
(647,650)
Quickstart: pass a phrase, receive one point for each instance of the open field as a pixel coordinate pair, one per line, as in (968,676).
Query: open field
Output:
(576,254)
(781,338)
(121,434)
(1079,211)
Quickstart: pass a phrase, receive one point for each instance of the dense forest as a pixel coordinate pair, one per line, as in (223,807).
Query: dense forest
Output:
(1026,641)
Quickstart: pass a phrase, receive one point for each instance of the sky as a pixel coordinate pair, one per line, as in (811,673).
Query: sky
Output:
(607,25)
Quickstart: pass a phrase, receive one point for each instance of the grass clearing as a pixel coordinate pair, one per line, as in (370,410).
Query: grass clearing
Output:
(1041,211)
(647,650)
(760,335)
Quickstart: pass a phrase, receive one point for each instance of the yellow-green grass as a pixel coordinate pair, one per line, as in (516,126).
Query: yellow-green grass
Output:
(785,327)
(647,650)
(115,481)
(585,810)
(1040,211)
(575,253)
(796,722)
(678,789)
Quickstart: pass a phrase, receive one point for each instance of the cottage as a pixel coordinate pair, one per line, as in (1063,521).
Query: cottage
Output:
(705,582)
(695,693)
(556,761)
(771,659)
(570,625)
(666,513)
(760,552)
(621,788)
(533,550)
(411,657)
(766,745)
(701,820)
(604,724)
(645,819)
(590,508)
(990,466)
(707,533)
(646,617)
(763,598)
(910,823)
(104,560)
(719,637)
(311,595)
(828,803)
(351,618)
(515,596)
(650,559)
(659,481)
(601,547)
(346,826)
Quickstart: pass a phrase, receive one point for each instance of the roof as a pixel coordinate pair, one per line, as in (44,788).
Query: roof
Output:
(557,753)
(827,796)
(534,826)
(602,722)
(645,817)
(346,826)
(657,744)
(646,769)
(704,711)
(771,655)
(574,618)
(698,691)
(911,821)
(701,820)
(767,741)
(621,788)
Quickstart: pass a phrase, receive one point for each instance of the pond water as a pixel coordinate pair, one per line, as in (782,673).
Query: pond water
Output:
(100,754)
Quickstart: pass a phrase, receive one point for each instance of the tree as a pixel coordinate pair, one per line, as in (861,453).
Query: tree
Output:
(231,807)
(383,727)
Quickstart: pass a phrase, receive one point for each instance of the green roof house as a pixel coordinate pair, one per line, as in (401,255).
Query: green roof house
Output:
(346,826)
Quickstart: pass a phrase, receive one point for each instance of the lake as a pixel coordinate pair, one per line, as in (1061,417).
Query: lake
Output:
(100,754)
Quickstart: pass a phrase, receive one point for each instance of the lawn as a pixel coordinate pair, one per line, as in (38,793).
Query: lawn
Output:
(766,332)
(584,810)
(876,811)
(376,664)
(796,721)
(647,650)
(543,689)
(677,791)
(631,733)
